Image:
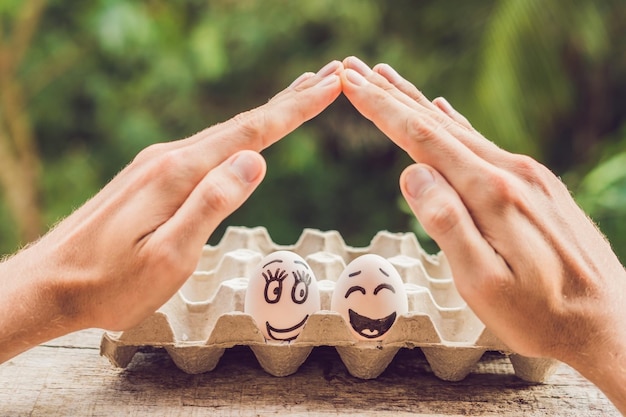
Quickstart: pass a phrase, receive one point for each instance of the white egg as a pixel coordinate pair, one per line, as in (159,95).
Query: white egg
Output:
(370,296)
(282,293)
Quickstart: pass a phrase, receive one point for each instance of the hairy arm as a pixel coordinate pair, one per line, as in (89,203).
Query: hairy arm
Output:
(524,256)
(124,253)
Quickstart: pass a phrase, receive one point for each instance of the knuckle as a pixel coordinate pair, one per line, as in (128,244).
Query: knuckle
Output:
(529,169)
(169,162)
(168,167)
(441,219)
(493,285)
(251,124)
(537,175)
(149,153)
(216,198)
(501,189)
(423,128)
(167,260)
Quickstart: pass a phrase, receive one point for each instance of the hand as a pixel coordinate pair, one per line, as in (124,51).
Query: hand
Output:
(125,252)
(524,256)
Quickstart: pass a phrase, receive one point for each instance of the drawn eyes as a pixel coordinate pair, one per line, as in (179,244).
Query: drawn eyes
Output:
(384,286)
(300,290)
(378,289)
(274,286)
(353,289)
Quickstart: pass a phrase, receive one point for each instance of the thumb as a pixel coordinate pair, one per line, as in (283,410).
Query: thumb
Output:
(441,211)
(217,195)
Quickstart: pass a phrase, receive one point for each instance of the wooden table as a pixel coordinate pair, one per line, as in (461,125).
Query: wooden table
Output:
(68,377)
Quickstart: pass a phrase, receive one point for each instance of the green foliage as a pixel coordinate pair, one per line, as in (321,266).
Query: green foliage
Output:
(106,78)
(602,194)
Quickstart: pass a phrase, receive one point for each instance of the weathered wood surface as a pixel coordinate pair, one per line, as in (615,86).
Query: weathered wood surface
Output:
(68,377)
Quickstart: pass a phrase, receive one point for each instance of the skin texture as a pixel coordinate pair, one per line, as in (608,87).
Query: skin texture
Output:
(124,253)
(524,256)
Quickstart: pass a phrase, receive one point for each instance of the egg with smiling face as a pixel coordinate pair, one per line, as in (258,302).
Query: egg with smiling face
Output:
(282,293)
(370,296)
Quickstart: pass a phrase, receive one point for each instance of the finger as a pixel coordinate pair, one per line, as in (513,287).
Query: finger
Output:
(305,98)
(219,193)
(389,80)
(310,93)
(404,86)
(388,85)
(424,139)
(260,127)
(445,218)
(447,108)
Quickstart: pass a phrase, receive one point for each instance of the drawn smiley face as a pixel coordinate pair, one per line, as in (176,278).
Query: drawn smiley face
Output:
(282,293)
(370,295)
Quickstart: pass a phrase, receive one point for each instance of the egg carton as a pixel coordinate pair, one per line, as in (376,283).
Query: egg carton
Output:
(206,316)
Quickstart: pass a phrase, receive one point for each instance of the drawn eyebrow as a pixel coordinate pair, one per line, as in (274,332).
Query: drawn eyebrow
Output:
(354,274)
(271,262)
(301,263)
(382,287)
(384,273)
(353,289)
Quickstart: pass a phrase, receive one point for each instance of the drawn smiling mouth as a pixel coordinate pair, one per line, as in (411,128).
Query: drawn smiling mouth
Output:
(276,333)
(370,328)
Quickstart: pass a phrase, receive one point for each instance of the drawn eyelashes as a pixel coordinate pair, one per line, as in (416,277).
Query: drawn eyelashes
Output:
(274,286)
(300,290)
(376,290)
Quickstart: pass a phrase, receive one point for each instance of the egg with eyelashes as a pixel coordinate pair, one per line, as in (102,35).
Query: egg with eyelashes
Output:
(370,295)
(282,293)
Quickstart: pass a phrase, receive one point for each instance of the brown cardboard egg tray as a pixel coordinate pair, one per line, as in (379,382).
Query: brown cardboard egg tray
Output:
(206,316)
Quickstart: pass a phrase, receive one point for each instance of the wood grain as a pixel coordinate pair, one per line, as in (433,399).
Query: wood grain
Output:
(68,377)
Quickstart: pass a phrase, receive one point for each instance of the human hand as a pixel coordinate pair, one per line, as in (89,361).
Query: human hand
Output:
(524,256)
(125,252)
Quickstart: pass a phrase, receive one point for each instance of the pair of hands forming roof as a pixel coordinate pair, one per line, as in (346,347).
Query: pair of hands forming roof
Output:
(524,256)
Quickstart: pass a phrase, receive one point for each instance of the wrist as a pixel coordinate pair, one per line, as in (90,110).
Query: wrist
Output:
(32,309)
(610,378)
(604,364)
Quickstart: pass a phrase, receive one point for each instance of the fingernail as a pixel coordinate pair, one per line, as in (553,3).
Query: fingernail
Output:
(445,105)
(417,180)
(246,166)
(389,73)
(355,78)
(358,65)
(301,79)
(329,68)
(328,80)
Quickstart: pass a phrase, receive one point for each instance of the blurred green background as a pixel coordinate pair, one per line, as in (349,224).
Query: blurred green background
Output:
(85,85)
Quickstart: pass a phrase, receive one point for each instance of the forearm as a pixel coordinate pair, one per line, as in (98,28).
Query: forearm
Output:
(606,368)
(29,307)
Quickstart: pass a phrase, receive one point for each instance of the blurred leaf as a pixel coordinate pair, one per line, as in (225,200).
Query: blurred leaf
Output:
(108,77)
(207,46)
(68,183)
(604,188)
(123,27)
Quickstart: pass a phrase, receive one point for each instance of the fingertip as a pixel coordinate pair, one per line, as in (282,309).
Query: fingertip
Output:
(433,201)
(333,67)
(329,80)
(415,180)
(388,73)
(302,78)
(354,78)
(444,105)
(356,64)
(248,166)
